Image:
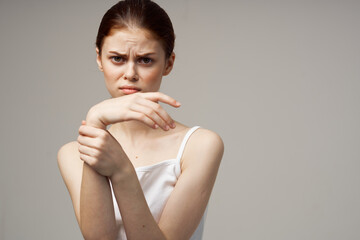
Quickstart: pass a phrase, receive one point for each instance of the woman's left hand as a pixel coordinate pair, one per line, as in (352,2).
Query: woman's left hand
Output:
(100,150)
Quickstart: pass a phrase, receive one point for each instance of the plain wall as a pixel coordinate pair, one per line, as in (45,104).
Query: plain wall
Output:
(278,80)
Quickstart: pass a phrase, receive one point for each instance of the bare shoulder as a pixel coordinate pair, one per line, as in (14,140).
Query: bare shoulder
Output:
(204,147)
(70,146)
(67,152)
(203,135)
(69,161)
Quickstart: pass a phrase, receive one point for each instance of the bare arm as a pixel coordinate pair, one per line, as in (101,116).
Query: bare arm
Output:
(187,203)
(137,218)
(96,206)
(113,162)
(87,188)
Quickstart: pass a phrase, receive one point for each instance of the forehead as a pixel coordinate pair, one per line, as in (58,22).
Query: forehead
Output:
(125,40)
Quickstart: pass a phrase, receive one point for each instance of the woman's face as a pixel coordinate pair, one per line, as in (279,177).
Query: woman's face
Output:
(132,60)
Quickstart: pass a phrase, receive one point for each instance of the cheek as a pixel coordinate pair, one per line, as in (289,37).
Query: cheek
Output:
(111,72)
(111,75)
(150,75)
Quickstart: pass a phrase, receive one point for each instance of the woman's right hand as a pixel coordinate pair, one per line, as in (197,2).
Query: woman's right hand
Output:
(143,107)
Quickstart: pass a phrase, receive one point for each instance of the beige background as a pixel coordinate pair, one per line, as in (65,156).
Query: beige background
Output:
(278,80)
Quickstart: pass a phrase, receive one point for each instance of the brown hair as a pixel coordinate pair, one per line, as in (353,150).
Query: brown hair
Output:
(138,14)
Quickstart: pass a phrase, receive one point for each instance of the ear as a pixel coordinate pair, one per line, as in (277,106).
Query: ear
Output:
(98,60)
(169,64)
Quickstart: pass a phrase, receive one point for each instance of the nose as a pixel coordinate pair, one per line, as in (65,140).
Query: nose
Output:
(130,72)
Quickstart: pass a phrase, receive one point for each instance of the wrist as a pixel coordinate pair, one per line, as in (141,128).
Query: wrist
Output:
(93,118)
(123,175)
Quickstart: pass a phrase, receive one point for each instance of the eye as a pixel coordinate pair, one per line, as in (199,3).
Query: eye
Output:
(145,60)
(117,59)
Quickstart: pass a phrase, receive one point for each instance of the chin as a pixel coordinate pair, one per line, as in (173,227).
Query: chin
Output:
(115,95)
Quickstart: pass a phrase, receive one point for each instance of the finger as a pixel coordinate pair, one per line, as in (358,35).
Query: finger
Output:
(159,111)
(87,159)
(133,115)
(90,131)
(150,113)
(158,96)
(87,150)
(88,141)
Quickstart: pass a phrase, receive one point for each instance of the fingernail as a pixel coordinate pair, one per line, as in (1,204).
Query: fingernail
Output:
(173,125)
(178,103)
(156,126)
(167,127)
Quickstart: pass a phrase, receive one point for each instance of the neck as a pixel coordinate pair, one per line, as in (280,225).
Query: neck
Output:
(132,130)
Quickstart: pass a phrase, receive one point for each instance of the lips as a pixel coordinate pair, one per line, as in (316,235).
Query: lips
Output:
(129,89)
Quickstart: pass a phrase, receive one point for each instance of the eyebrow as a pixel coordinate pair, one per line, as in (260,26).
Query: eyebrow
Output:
(138,55)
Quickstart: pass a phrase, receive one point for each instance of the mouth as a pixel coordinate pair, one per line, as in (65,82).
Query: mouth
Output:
(129,89)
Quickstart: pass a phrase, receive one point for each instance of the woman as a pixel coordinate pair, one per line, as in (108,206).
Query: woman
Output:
(146,176)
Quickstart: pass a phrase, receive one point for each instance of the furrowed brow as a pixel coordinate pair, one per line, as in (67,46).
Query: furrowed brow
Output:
(145,54)
(117,53)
